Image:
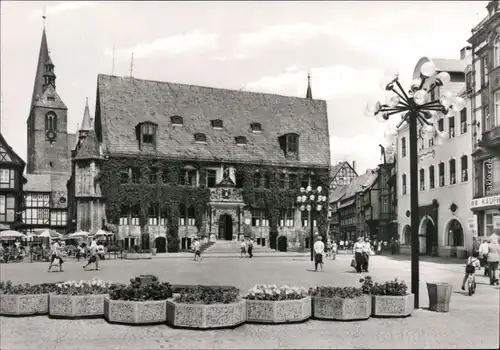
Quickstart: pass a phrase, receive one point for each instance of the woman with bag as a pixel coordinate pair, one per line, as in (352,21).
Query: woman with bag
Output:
(358,259)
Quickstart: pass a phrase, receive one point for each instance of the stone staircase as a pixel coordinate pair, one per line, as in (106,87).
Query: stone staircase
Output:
(233,247)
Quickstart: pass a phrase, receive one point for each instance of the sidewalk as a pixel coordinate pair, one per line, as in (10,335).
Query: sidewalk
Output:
(216,255)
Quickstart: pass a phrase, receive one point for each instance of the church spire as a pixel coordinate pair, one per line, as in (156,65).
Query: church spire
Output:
(43,58)
(86,123)
(309,90)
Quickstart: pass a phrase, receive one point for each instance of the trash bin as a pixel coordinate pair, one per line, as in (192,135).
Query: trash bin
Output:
(439,296)
(153,251)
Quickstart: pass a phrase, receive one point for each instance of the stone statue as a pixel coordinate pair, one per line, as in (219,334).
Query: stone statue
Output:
(226,173)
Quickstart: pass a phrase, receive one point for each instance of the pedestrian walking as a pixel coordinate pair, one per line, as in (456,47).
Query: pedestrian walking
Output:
(197,249)
(94,256)
(483,255)
(250,248)
(493,258)
(319,250)
(334,250)
(358,254)
(367,249)
(243,251)
(55,257)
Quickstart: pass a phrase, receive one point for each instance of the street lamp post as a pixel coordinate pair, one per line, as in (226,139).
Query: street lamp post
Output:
(312,201)
(417,108)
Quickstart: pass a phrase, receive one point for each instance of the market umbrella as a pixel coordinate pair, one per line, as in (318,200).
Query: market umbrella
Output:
(11,234)
(4,227)
(79,234)
(103,233)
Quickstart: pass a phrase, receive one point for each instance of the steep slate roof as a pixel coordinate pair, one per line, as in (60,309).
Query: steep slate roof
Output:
(360,183)
(14,157)
(89,147)
(125,102)
(337,193)
(43,100)
(86,125)
(42,58)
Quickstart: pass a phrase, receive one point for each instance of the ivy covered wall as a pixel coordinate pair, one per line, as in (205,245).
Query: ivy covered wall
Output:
(167,191)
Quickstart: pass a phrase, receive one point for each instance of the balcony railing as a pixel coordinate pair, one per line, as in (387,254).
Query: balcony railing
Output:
(491,138)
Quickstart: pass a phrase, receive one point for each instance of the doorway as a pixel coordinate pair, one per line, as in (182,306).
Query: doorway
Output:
(161,245)
(226,227)
(430,238)
(282,244)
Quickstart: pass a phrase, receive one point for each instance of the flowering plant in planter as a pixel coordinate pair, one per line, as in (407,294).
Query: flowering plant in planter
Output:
(393,288)
(84,287)
(274,293)
(25,289)
(336,292)
(136,291)
(389,299)
(208,295)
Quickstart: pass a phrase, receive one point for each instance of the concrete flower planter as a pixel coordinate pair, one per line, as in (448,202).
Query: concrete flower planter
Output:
(206,316)
(135,312)
(392,306)
(24,305)
(76,306)
(340,309)
(136,256)
(282,311)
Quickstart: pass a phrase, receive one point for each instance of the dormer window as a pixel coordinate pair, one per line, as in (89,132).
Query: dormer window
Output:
(241,140)
(200,138)
(216,124)
(177,120)
(51,98)
(256,127)
(146,134)
(289,144)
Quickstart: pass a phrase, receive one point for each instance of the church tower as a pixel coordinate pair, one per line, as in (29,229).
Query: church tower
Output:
(48,149)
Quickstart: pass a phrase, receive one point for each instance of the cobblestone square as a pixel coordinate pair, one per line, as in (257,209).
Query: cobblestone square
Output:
(473,322)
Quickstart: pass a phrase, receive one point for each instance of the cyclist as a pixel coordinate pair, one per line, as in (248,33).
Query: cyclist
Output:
(470,269)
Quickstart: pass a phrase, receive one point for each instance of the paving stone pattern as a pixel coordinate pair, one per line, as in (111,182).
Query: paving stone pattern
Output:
(473,322)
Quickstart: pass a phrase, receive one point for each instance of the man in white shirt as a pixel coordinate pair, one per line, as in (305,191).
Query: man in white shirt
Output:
(483,253)
(55,254)
(319,249)
(197,248)
(94,256)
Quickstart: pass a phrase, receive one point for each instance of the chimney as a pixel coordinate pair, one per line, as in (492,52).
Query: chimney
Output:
(354,165)
(466,52)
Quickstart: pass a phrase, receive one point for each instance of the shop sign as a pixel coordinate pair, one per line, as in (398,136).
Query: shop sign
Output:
(485,202)
(472,225)
(496,222)
(488,175)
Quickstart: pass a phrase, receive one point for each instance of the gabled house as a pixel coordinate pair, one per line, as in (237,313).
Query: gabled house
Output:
(11,185)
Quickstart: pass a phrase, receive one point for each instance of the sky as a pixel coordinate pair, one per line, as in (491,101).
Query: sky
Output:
(347,47)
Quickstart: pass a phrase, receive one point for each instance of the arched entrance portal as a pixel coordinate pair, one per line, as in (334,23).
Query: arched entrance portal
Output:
(282,243)
(226,227)
(407,235)
(428,236)
(455,234)
(161,245)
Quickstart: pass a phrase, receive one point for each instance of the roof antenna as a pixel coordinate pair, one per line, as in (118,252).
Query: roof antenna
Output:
(113,62)
(132,64)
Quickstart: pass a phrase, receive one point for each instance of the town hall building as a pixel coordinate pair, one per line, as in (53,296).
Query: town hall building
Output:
(165,162)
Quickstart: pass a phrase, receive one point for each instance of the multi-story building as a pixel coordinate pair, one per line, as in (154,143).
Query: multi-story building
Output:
(350,208)
(11,185)
(165,162)
(445,183)
(342,175)
(483,88)
(49,145)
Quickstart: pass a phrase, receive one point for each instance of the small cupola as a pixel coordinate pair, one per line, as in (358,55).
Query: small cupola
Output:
(49,77)
(289,144)
(146,134)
